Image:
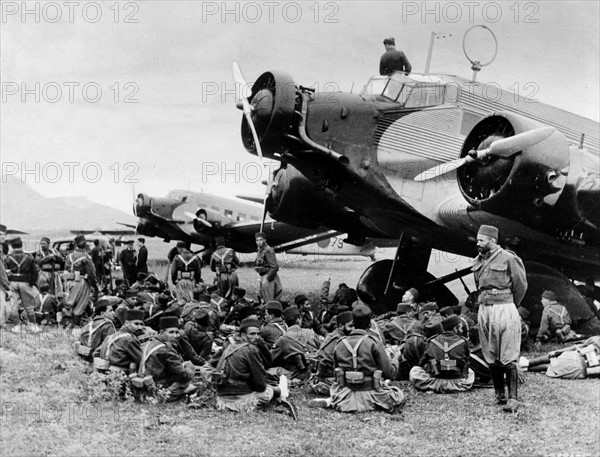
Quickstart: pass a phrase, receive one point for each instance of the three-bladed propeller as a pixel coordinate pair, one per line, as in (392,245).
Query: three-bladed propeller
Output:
(503,148)
(243,93)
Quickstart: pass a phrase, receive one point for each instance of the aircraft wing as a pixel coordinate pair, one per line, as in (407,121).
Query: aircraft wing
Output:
(103,232)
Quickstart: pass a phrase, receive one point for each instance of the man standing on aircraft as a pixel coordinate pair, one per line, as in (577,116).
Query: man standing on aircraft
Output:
(501,282)
(266,266)
(142,257)
(224,261)
(393,60)
(185,273)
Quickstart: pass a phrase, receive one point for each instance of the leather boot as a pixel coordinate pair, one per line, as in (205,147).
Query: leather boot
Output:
(497,371)
(512,378)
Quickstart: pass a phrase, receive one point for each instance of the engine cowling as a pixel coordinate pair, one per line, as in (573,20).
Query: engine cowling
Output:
(273,100)
(294,199)
(526,185)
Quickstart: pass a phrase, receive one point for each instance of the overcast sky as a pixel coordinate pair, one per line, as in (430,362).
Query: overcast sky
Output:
(173,61)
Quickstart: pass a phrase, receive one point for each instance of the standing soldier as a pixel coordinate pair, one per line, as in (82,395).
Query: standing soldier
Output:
(97,255)
(22,274)
(501,282)
(4,283)
(128,260)
(185,273)
(81,279)
(50,263)
(224,261)
(266,266)
(142,258)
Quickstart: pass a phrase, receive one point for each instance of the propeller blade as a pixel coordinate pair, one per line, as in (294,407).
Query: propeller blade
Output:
(504,148)
(442,169)
(507,147)
(192,216)
(243,92)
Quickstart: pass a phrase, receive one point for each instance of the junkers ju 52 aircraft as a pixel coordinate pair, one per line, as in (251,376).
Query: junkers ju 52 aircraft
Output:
(425,159)
(207,220)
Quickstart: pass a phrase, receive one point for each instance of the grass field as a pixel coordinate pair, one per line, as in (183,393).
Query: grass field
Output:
(51,404)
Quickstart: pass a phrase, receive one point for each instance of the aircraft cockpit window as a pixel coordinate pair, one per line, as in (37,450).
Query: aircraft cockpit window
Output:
(425,95)
(375,86)
(393,89)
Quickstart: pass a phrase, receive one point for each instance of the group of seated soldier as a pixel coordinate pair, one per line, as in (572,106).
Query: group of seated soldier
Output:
(246,351)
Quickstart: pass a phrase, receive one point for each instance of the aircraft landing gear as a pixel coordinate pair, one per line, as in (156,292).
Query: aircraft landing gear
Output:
(383,283)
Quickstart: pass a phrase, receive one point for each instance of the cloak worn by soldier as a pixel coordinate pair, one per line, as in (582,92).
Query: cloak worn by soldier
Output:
(80,280)
(224,262)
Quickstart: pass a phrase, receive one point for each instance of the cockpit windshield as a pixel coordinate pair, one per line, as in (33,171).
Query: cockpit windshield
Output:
(407,91)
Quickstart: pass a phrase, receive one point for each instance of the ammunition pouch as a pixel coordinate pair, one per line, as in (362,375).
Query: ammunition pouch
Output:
(354,377)
(448,365)
(68,276)
(340,379)
(18,277)
(357,381)
(218,378)
(83,350)
(141,382)
(185,275)
(101,364)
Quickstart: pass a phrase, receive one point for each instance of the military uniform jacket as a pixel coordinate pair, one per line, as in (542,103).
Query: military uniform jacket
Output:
(499,277)
(295,342)
(80,261)
(142,260)
(186,263)
(224,260)
(21,267)
(45,259)
(242,364)
(554,317)
(392,61)
(124,346)
(266,262)
(200,338)
(165,365)
(102,328)
(310,321)
(414,348)
(458,351)
(325,354)
(272,331)
(4,283)
(398,328)
(370,356)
